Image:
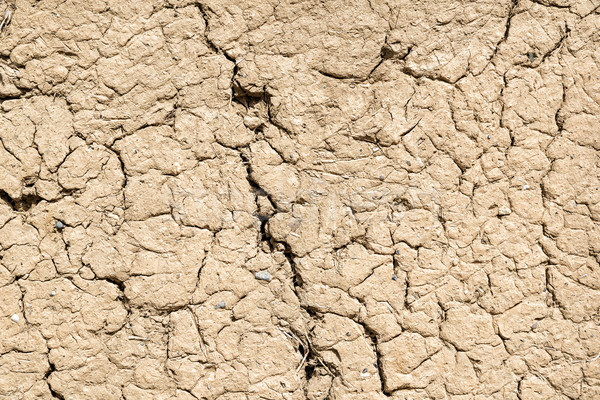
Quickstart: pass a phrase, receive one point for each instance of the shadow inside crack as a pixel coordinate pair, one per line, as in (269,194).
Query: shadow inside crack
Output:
(22,204)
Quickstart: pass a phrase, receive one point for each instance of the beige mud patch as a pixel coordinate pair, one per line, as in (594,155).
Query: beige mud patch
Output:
(223,200)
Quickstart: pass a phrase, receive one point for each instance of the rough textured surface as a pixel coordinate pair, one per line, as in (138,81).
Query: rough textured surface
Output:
(220,199)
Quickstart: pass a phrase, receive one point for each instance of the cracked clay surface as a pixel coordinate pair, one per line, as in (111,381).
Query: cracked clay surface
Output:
(317,199)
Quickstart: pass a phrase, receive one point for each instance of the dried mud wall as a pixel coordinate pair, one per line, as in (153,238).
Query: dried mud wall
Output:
(335,199)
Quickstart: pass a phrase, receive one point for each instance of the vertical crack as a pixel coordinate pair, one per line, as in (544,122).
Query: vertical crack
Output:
(511,14)
(378,366)
(558,118)
(51,369)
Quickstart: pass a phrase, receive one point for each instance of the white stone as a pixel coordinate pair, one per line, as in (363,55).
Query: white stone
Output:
(504,211)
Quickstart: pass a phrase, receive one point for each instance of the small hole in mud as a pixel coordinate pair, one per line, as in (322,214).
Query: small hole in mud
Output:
(309,371)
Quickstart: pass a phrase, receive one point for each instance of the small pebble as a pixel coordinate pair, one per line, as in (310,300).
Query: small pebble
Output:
(14,318)
(408,162)
(504,211)
(53,293)
(365,370)
(394,277)
(263,276)
(59,225)
(525,187)
(220,305)
(535,325)
(347,333)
